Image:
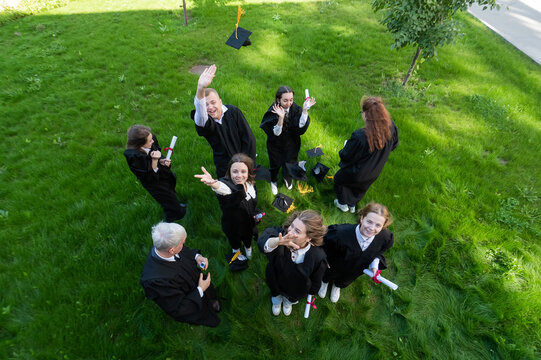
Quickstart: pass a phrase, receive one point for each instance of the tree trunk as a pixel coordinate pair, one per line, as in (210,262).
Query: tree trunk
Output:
(185,14)
(415,57)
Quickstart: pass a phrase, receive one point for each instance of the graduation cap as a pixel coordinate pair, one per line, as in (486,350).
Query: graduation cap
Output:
(282,202)
(235,264)
(320,171)
(261,173)
(297,170)
(240,36)
(315,152)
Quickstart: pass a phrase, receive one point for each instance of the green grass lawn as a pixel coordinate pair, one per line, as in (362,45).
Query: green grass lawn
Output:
(463,185)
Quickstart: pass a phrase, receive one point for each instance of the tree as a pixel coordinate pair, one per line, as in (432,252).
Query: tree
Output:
(425,24)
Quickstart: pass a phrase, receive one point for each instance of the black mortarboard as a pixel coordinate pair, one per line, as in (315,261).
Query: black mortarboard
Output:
(261,173)
(315,152)
(235,265)
(320,171)
(296,171)
(282,202)
(240,37)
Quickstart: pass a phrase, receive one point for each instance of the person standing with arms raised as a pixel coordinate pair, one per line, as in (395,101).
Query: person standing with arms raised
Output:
(284,123)
(224,126)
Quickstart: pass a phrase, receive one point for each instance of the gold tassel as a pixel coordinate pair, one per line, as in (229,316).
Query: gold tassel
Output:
(234,257)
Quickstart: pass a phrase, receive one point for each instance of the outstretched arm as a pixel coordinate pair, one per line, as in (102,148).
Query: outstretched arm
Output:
(201,116)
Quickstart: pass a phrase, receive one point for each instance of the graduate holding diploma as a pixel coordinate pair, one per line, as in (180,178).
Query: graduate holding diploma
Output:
(351,248)
(284,123)
(296,262)
(144,157)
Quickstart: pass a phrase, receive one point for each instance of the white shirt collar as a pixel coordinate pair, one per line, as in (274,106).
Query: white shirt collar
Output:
(171,258)
(299,254)
(224,109)
(363,242)
(147,150)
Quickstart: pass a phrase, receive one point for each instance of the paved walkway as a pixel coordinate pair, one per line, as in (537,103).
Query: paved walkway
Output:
(517,21)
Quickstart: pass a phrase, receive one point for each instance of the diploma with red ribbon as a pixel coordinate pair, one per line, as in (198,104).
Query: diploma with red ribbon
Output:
(170,148)
(309,303)
(307,97)
(381,279)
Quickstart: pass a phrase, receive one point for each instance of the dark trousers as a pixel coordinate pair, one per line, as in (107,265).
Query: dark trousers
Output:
(350,188)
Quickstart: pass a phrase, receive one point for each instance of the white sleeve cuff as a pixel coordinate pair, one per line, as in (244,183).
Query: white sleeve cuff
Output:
(277,130)
(302,120)
(223,189)
(374,263)
(200,291)
(201,116)
(267,248)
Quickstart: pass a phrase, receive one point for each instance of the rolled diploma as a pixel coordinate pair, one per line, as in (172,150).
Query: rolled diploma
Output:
(307,308)
(169,152)
(384,281)
(306,97)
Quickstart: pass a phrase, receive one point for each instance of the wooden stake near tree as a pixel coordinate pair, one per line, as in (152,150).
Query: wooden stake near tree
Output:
(185,13)
(425,24)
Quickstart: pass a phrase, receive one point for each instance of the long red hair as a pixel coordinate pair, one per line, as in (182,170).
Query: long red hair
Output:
(378,123)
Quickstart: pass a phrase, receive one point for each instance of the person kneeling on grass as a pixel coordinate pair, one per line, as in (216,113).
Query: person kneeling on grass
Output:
(351,248)
(296,263)
(237,195)
(172,278)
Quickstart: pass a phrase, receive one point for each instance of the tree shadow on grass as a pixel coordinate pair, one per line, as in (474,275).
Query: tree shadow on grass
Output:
(77,82)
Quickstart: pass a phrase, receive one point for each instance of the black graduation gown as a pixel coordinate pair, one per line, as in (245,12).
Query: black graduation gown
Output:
(359,167)
(285,147)
(286,278)
(161,184)
(238,213)
(231,137)
(346,259)
(173,286)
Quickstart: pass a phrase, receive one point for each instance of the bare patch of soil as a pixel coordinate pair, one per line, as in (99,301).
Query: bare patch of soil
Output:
(198,69)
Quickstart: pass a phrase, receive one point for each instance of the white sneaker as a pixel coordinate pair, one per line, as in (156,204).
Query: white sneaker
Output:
(323,289)
(352,209)
(335,294)
(344,208)
(274,188)
(289,186)
(276,309)
(242,258)
(287,309)
(248,252)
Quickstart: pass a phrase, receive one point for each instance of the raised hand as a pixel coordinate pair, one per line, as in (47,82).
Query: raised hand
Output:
(287,240)
(308,103)
(206,178)
(278,110)
(205,79)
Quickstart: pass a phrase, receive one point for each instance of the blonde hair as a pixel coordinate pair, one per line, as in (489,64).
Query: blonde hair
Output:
(378,209)
(315,230)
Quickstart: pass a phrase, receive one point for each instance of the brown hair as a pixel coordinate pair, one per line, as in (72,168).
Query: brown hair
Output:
(378,122)
(137,136)
(242,158)
(315,229)
(377,209)
(281,91)
(211,90)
